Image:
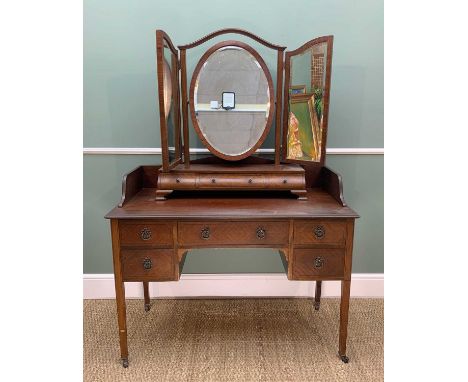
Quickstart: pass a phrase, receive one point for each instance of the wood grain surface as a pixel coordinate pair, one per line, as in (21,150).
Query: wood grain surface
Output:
(227,205)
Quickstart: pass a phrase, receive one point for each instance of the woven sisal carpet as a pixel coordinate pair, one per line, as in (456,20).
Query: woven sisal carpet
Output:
(234,340)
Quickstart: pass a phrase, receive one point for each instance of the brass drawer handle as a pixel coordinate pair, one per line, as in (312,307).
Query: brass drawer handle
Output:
(319,232)
(145,234)
(147,263)
(318,262)
(213,180)
(261,233)
(205,233)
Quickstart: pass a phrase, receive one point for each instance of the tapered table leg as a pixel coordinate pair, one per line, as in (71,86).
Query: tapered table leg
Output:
(318,293)
(344,310)
(122,319)
(147,296)
(119,293)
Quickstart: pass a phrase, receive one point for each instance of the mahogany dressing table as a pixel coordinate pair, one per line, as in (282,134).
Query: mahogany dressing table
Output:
(233,198)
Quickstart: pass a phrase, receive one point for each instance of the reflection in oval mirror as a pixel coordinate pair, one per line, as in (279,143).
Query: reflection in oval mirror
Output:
(306,90)
(231,101)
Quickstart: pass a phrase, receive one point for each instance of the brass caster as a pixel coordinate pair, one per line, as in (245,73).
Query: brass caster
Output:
(125,362)
(147,307)
(344,358)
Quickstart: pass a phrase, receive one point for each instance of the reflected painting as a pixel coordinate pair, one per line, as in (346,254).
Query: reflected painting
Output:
(303,129)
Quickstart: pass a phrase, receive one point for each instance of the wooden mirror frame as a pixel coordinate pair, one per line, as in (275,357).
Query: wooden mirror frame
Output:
(326,98)
(183,81)
(162,41)
(269,120)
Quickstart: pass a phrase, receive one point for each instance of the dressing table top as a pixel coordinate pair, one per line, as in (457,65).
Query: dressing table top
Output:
(220,205)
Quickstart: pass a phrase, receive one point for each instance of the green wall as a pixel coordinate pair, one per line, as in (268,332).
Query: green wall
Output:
(120,105)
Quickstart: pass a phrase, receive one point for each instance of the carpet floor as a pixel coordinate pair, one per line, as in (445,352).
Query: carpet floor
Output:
(234,340)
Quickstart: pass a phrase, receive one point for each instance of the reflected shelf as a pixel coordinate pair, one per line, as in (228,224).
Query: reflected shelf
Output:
(246,108)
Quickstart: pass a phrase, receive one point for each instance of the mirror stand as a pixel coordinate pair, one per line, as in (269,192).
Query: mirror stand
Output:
(239,177)
(232,104)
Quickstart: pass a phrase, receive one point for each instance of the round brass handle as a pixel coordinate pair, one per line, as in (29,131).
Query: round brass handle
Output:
(318,262)
(250,180)
(147,263)
(205,233)
(285,181)
(145,234)
(319,232)
(177,180)
(261,233)
(213,180)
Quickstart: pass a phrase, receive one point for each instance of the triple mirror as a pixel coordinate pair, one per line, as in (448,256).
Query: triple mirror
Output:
(233,103)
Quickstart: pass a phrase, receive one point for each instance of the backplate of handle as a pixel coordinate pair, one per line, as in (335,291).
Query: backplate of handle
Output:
(318,262)
(319,231)
(147,263)
(145,234)
(205,233)
(261,233)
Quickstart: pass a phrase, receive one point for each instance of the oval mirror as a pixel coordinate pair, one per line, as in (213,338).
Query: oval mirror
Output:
(231,99)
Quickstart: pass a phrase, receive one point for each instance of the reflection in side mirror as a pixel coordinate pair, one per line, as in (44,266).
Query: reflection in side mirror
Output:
(306,90)
(167,88)
(170,89)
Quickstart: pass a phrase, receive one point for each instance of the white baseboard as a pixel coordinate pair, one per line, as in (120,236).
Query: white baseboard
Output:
(101,286)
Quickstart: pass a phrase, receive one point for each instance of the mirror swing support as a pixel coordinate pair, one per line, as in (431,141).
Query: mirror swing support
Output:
(232,112)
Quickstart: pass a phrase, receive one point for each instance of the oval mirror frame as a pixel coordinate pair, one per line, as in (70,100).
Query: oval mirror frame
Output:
(271,111)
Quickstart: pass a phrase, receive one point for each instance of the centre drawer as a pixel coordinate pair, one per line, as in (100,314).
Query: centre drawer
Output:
(231,181)
(233,233)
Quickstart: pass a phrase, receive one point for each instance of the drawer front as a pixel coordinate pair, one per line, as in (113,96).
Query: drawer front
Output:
(220,181)
(146,233)
(312,263)
(285,182)
(232,233)
(147,264)
(320,232)
(174,181)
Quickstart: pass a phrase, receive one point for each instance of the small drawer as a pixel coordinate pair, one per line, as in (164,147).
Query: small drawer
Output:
(146,233)
(148,265)
(315,263)
(320,232)
(221,181)
(286,182)
(176,181)
(233,233)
